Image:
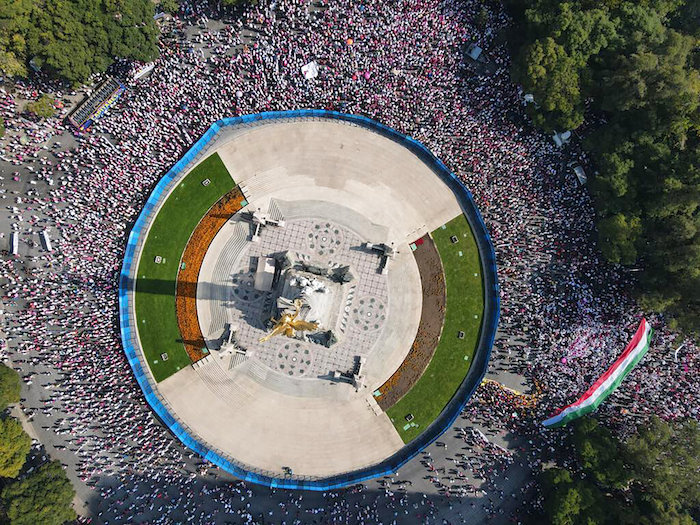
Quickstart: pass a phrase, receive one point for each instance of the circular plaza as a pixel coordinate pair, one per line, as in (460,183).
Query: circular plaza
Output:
(308,299)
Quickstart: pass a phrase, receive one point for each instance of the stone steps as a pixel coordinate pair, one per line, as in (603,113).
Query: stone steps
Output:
(293,386)
(225,388)
(271,379)
(274,211)
(221,276)
(237,360)
(259,185)
(258,371)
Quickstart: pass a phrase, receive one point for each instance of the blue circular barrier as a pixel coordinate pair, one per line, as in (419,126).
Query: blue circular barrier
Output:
(449,413)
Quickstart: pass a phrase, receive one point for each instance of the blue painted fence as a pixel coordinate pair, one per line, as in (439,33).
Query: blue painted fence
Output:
(451,411)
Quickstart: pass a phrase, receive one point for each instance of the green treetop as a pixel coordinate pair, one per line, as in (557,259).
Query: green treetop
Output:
(9,386)
(43,107)
(72,39)
(42,498)
(551,75)
(652,479)
(14,447)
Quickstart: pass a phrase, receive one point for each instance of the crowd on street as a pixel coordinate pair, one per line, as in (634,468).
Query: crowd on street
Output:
(565,314)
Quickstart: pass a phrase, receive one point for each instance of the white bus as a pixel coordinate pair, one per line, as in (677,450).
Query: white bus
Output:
(46,241)
(14,243)
(143,70)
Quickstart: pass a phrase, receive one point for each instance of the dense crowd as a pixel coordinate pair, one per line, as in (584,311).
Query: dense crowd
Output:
(565,314)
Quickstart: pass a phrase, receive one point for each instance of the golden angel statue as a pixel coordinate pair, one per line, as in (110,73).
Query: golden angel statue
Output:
(288,324)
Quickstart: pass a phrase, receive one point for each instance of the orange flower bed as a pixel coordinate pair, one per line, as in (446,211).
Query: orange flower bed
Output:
(196,249)
(429,329)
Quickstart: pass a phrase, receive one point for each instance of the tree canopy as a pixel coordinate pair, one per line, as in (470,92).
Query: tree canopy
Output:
(553,79)
(43,107)
(169,6)
(71,39)
(10,383)
(41,498)
(14,447)
(572,501)
(635,65)
(652,478)
(666,461)
(600,453)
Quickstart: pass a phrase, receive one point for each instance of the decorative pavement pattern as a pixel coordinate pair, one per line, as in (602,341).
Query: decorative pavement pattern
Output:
(364,306)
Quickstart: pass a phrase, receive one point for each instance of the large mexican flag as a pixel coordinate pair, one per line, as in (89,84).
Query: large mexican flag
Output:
(608,382)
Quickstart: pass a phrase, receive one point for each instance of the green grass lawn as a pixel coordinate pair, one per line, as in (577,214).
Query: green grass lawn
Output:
(464,311)
(155,284)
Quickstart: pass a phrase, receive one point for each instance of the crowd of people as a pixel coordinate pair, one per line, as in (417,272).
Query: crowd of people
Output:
(565,314)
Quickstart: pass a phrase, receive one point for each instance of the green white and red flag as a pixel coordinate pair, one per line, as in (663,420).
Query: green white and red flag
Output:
(608,382)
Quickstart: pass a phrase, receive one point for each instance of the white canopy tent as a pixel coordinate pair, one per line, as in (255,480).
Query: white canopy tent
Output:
(310,70)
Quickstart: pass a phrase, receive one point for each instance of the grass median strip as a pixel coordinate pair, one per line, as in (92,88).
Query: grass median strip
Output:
(156,281)
(455,352)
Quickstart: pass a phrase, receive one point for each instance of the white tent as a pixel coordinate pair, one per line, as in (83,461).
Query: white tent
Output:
(561,138)
(310,70)
(143,70)
(474,52)
(578,170)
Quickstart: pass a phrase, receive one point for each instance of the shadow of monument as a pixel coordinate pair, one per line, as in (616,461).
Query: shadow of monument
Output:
(238,294)
(169,287)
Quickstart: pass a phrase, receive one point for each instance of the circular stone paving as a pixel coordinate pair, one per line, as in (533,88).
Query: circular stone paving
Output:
(369,314)
(294,359)
(325,238)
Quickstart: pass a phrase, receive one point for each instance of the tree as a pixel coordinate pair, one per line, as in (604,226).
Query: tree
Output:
(10,383)
(73,39)
(687,20)
(657,79)
(617,238)
(635,64)
(653,478)
(614,182)
(10,64)
(563,502)
(14,447)
(600,453)
(582,32)
(43,107)
(14,23)
(551,75)
(42,498)
(2,127)
(570,501)
(169,6)
(665,460)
